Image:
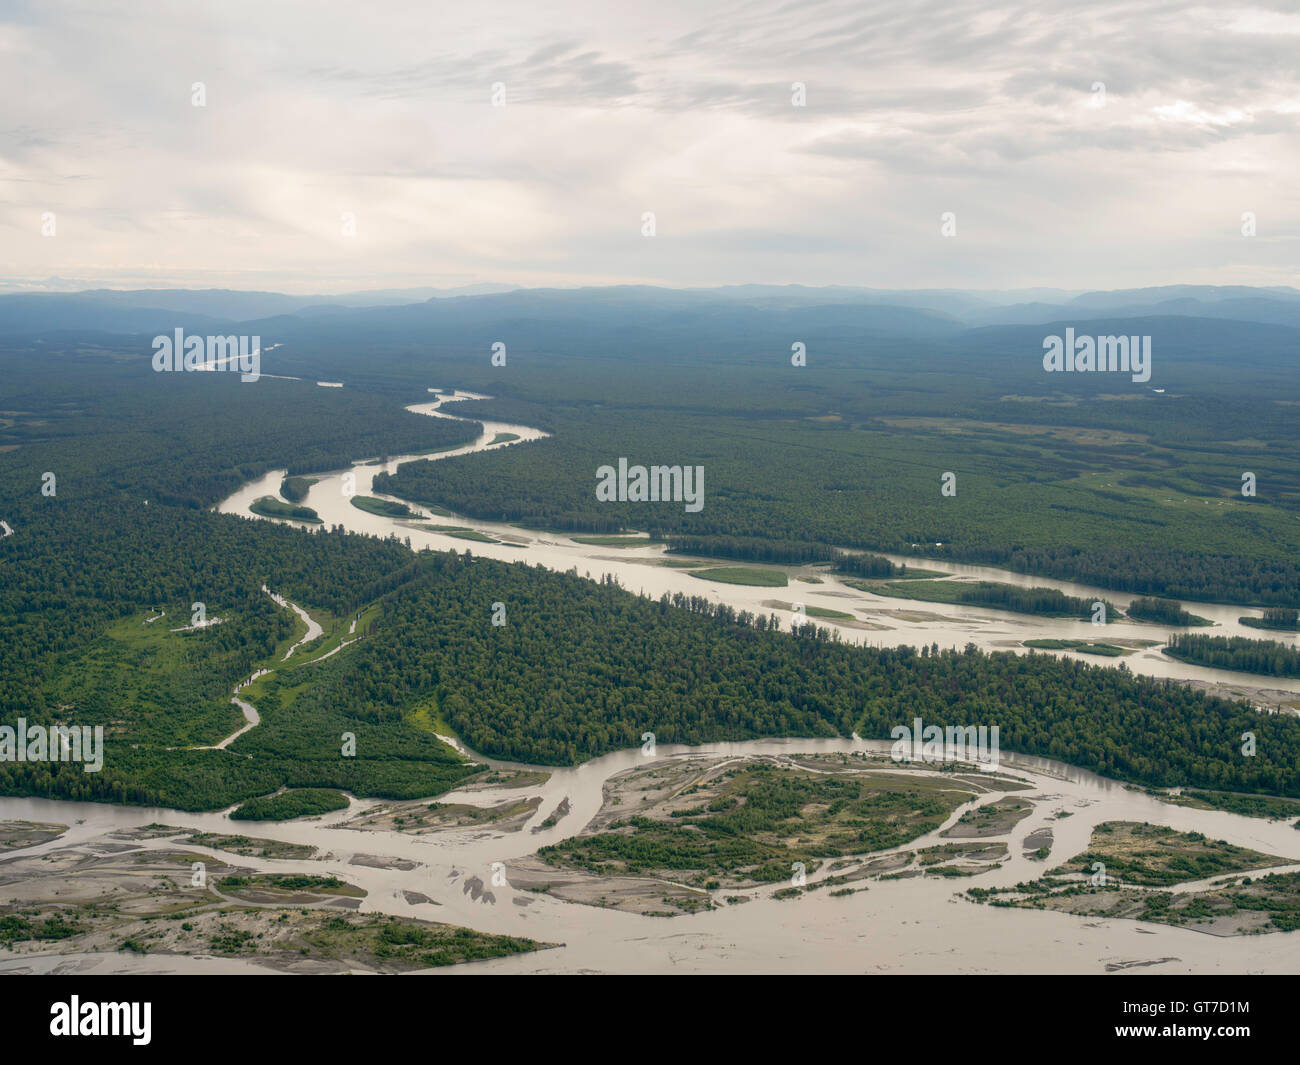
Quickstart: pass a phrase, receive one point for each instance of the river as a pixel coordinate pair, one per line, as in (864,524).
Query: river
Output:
(914,925)
(639,569)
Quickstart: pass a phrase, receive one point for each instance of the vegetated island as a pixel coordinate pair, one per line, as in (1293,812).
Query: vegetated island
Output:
(461,532)
(1283,618)
(270,507)
(1135,857)
(1083,647)
(289,922)
(796,553)
(1164,612)
(1047,602)
(761,578)
(676,837)
(1268,657)
(1272,807)
(294,489)
(814,611)
(385,508)
(876,567)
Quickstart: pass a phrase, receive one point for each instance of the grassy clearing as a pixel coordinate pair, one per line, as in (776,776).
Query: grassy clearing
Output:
(385,508)
(270,507)
(815,611)
(1083,647)
(173,682)
(761,578)
(461,533)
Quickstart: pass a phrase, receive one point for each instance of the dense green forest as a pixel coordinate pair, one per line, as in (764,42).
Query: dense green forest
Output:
(1286,619)
(1049,602)
(1163,611)
(691,671)
(579,668)
(752,549)
(1122,489)
(286,805)
(1030,503)
(295,489)
(136,457)
(1237,652)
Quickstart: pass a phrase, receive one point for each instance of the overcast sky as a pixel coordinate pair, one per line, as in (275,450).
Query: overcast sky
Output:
(682,108)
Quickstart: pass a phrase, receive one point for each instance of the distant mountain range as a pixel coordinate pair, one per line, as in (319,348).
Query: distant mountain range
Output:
(738,309)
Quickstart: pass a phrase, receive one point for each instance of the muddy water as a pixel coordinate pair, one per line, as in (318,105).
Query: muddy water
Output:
(915,925)
(639,570)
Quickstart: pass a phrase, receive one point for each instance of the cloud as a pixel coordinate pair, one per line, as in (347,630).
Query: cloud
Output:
(314,111)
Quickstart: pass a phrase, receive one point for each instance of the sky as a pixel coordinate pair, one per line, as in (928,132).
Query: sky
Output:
(1074,145)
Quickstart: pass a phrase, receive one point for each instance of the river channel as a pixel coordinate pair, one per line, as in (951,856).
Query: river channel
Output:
(914,925)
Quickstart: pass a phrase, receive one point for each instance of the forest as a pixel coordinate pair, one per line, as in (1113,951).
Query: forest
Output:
(1163,611)
(996,595)
(691,671)
(1236,652)
(1131,491)
(1025,502)
(578,670)
(1287,619)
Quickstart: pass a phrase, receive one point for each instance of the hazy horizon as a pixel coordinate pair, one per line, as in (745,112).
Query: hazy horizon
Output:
(61,286)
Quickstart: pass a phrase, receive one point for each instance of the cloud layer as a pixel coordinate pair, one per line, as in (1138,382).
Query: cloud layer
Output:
(1077,144)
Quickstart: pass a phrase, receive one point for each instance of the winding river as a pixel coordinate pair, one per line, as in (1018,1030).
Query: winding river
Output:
(914,925)
(639,569)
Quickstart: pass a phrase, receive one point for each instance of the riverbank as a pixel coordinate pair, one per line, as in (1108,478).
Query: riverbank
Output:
(476,875)
(875,620)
